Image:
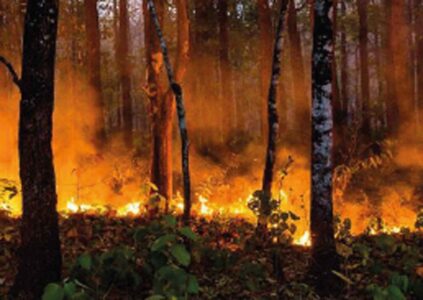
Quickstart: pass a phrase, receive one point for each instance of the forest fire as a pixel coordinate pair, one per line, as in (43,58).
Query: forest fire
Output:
(203,149)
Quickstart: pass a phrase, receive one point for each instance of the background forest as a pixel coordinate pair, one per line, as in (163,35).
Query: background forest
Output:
(117,149)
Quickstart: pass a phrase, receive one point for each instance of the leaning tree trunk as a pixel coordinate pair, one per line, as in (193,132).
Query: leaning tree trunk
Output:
(162,104)
(39,253)
(364,68)
(125,73)
(272,117)
(324,256)
(175,88)
(94,70)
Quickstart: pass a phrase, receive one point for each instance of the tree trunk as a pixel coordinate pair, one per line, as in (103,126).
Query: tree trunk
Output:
(228,102)
(273,122)
(301,103)
(94,68)
(125,73)
(419,57)
(39,255)
(324,256)
(162,102)
(266,32)
(403,91)
(344,66)
(364,68)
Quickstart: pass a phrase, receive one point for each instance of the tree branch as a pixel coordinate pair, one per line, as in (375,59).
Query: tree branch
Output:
(12,71)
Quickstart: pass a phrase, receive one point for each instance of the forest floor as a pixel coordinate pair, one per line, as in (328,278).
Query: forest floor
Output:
(109,258)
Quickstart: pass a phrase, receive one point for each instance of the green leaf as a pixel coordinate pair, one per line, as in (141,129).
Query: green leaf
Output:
(156,297)
(170,221)
(188,233)
(163,241)
(85,261)
(181,254)
(53,291)
(70,289)
(394,293)
(193,287)
(140,234)
(400,281)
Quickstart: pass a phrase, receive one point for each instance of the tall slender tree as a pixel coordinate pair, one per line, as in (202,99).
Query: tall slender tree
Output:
(39,253)
(266,33)
(225,67)
(324,256)
(297,69)
(419,58)
(403,90)
(364,67)
(94,67)
(125,73)
(272,120)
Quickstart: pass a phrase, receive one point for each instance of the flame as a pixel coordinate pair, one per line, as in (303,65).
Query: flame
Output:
(130,209)
(204,209)
(304,240)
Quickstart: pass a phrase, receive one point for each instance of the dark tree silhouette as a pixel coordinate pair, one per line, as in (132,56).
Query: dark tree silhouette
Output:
(324,256)
(39,253)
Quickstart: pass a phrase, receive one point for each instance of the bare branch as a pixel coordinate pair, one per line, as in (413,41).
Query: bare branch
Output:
(12,71)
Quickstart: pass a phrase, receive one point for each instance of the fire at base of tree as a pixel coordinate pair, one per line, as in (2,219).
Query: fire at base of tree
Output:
(211,149)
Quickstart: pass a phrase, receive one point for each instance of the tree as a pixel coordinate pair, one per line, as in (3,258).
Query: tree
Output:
(265,31)
(419,56)
(94,67)
(39,253)
(324,256)
(225,67)
(297,68)
(364,67)
(273,122)
(400,107)
(176,89)
(162,104)
(125,73)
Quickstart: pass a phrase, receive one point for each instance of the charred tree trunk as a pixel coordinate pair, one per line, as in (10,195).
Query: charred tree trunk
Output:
(125,73)
(93,66)
(324,256)
(273,123)
(301,102)
(364,68)
(39,255)
(175,88)
(266,32)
